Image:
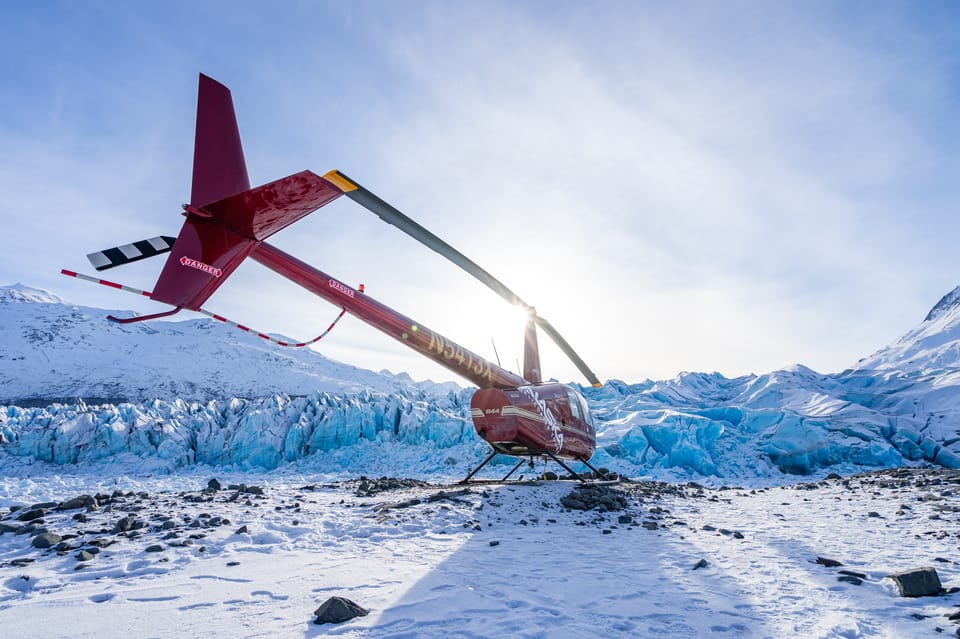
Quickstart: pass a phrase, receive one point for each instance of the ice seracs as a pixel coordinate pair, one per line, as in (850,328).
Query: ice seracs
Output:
(192,405)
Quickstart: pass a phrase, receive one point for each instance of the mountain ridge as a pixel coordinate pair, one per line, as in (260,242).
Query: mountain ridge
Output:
(52,350)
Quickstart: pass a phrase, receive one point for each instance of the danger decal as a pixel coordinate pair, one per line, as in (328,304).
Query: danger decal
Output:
(343,288)
(200,266)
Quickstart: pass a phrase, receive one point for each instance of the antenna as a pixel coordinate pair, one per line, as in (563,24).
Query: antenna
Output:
(495,353)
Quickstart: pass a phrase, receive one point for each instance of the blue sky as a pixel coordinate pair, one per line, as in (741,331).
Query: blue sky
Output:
(707,186)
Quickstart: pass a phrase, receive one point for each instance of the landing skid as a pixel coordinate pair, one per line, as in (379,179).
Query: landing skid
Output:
(600,477)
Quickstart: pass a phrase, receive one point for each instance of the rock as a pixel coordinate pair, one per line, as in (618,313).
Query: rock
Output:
(30,515)
(920,582)
(850,579)
(701,564)
(73,504)
(338,610)
(588,497)
(124,524)
(242,530)
(213,485)
(573,503)
(494,542)
(829,563)
(254,490)
(5,528)
(46,540)
(154,548)
(100,542)
(851,573)
(84,555)
(625,519)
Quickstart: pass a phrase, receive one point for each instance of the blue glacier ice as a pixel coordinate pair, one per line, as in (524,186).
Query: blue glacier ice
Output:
(171,397)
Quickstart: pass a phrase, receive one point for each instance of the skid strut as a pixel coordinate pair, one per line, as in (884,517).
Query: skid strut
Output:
(573,473)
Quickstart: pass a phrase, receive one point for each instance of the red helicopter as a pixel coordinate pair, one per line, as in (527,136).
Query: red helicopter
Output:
(227,222)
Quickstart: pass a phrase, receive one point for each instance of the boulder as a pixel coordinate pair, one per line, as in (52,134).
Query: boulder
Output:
(46,540)
(30,515)
(77,502)
(919,582)
(338,610)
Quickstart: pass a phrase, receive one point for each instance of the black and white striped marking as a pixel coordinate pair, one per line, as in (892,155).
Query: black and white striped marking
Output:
(119,255)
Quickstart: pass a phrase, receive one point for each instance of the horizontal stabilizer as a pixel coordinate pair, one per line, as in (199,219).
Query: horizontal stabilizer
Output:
(260,212)
(120,255)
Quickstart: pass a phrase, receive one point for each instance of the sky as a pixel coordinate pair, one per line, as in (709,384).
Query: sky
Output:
(683,186)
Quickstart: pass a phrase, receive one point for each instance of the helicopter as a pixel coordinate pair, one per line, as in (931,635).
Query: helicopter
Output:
(227,221)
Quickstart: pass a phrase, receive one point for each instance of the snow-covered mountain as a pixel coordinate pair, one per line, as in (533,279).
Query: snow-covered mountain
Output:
(53,350)
(931,347)
(898,406)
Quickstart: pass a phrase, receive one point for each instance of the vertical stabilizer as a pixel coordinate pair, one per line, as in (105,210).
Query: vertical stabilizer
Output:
(219,169)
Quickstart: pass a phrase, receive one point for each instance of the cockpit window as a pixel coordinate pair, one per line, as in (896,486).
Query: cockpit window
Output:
(587,416)
(574,404)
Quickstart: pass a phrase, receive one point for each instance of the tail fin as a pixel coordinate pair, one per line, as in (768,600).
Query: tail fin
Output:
(219,169)
(226,219)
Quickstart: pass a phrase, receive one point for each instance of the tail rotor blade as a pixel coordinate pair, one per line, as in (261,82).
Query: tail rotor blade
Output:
(120,255)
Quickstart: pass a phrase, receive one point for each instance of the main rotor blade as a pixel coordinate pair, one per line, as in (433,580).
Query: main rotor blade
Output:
(566,348)
(393,216)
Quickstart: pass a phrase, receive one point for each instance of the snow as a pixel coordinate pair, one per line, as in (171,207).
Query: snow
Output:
(53,350)
(93,407)
(498,561)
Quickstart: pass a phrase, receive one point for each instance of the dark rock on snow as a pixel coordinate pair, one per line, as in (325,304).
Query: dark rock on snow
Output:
(30,515)
(920,582)
(46,540)
(338,610)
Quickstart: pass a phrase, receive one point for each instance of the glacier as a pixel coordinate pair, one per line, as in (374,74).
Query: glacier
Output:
(899,406)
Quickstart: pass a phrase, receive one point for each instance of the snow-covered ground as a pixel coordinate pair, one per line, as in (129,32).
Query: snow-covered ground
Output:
(679,560)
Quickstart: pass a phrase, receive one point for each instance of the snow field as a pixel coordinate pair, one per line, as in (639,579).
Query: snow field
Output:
(508,561)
